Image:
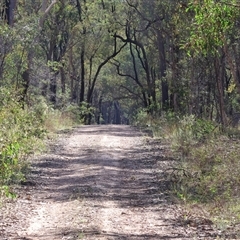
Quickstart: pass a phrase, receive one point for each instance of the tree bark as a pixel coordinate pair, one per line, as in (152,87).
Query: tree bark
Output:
(10,6)
(218,63)
(45,10)
(162,70)
(82,87)
(233,66)
(63,80)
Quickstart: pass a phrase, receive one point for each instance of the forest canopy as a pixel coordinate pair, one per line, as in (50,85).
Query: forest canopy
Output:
(114,59)
(169,67)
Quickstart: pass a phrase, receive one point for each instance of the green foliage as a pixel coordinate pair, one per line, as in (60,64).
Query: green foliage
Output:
(54,120)
(208,170)
(54,65)
(212,173)
(142,119)
(6,190)
(212,21)
(85,109)
(165,125)
(84,113)
(190,132)
(20,131)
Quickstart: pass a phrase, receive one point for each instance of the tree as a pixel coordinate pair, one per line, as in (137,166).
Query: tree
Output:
(8,11)
(213,24)
(96,42)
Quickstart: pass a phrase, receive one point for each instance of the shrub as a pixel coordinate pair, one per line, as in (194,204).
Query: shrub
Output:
(20,130)
(209,175)
(208,166)
(189,132)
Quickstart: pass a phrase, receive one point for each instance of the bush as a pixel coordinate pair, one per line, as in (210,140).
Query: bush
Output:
(208,166)
(189,132)
(20,131)
(209,175)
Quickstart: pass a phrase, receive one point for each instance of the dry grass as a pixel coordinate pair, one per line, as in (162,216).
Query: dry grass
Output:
(207,173)
(56,120)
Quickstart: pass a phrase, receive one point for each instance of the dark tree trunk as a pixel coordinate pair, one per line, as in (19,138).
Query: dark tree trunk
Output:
(53,89)
(82,87)
(162,70)
(9,11)
(25,85)
(175,77)
(63,80)
(99,110)
(117,113)
(100,66)
(109,116)
(136,78)
(219,71)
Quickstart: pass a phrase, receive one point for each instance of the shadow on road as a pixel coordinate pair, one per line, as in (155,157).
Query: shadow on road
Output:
(131,176)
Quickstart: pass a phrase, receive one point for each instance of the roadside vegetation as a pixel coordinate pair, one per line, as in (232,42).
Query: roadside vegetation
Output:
(171,65)
(205,176)
(26,130)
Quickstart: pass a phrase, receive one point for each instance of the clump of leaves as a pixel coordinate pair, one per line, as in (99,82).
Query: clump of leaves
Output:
(20,130)
(189,132)
(59,119)
(209,175)
(207,172)
(164,125)
(159,126)
(212,21)
(142,119)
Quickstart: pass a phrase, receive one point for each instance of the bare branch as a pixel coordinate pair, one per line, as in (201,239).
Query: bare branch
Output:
(117,65)
(114,54)
(45,11)
(149,22)
(130,91)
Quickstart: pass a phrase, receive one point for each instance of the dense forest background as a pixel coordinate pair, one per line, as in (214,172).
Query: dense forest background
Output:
(116,58)
(173,66)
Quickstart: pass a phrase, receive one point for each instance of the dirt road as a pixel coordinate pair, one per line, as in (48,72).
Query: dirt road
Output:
(101,182)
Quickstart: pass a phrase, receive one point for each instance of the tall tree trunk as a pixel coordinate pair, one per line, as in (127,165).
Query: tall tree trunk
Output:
(74,84)
(99,114)
(82,87)
(117,113)
(109,112)
(219,71)
(136,78)
(63,80)
(162,70)
(144,61)
(10,6)
(234,66)
(45,10)
(53,89)
(100,66)
(175,76)
(26,74)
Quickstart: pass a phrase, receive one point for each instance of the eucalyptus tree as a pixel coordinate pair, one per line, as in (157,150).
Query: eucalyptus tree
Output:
(137,34)
(212,37)
(54,40)
(14,43)
(7,10)
(93,44)
(7,16)
(17,67)
(154,47)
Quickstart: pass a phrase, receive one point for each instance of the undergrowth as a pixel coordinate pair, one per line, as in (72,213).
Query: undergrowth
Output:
(23,132)
(20,135)
(207,169)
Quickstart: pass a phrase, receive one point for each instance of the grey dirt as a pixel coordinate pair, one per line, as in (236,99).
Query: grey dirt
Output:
(97,182)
